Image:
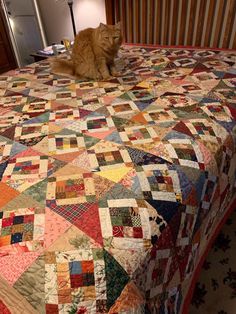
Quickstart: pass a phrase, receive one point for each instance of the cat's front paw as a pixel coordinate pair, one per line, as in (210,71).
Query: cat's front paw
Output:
(106,77)
(96,76)
(115,73)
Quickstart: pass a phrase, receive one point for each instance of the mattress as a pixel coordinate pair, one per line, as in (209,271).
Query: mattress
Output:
(112,191)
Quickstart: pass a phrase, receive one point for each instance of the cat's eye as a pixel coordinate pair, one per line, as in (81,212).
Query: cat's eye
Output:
(116,37)
(106,37)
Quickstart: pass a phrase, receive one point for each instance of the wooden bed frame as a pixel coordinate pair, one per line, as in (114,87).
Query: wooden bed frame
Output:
(196,23)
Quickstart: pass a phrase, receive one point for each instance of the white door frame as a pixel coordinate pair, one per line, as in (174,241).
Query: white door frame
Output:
(42,34)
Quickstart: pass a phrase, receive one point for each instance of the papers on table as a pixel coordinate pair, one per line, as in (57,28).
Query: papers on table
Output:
(49,50)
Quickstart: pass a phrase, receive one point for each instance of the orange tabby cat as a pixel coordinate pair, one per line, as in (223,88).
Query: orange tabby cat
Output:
(93,53)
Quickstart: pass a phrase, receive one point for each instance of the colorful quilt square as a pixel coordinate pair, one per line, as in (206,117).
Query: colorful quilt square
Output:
(108,157)
(176,73)
(43,91)
(114,91)
(36,107)
(19,85)
(217,111)
(226,95)
(202,129)
(179,53)
(159,60)
(44,77)
(192,88)
(4,81)
(144,71)
(177,101)
(22,225)
(129,79)
(204,54)
(157,271)
(5,150)
(208,192)
(123,219)
(188,219)
(226,161)
(186,153)
(91,101)
(87,85)
(9,119)
(64,95)
(13,101)
(216,65)
(71,275)
(77,188)
(97,124)
(138,135)
(204,76)
(30,131)
(122,108)
(22,172)
(185,62)
(160,115)
(230,82)
(159,182)
(63,82)
(140,94)
(64,115)
(62,144)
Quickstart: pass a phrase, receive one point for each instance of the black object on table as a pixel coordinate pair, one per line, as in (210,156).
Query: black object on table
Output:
(39,56)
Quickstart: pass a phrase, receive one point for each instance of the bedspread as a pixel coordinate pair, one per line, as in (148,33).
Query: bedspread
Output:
(111,191)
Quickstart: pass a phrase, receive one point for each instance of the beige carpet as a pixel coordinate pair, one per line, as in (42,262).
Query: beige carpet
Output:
(215,291)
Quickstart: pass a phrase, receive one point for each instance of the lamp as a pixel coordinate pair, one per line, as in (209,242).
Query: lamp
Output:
(70,4)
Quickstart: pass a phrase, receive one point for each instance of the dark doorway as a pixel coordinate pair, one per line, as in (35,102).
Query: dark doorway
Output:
(7,58)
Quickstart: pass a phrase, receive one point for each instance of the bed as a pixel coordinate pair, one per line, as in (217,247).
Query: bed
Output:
(111,192)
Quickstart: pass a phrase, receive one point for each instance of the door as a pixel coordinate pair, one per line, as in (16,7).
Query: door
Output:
(25,28)
(7,58)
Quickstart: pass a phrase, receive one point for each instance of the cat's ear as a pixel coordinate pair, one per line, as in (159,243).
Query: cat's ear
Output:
(102,26)
(118,25)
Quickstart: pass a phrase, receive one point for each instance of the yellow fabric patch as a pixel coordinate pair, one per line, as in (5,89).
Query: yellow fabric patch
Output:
(114,174)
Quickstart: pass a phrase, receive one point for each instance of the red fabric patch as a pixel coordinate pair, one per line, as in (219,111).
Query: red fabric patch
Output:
(3,308)
(137,232)
(52,309)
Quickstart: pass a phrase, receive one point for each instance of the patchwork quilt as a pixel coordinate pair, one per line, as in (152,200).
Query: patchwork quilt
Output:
(111,191)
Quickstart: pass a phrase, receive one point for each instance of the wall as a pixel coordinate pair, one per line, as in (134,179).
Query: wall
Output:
(56,19)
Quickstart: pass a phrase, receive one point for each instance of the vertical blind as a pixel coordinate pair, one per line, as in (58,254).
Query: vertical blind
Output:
(199,23)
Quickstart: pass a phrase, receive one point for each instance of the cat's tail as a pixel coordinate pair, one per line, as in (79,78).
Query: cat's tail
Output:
(62,66)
